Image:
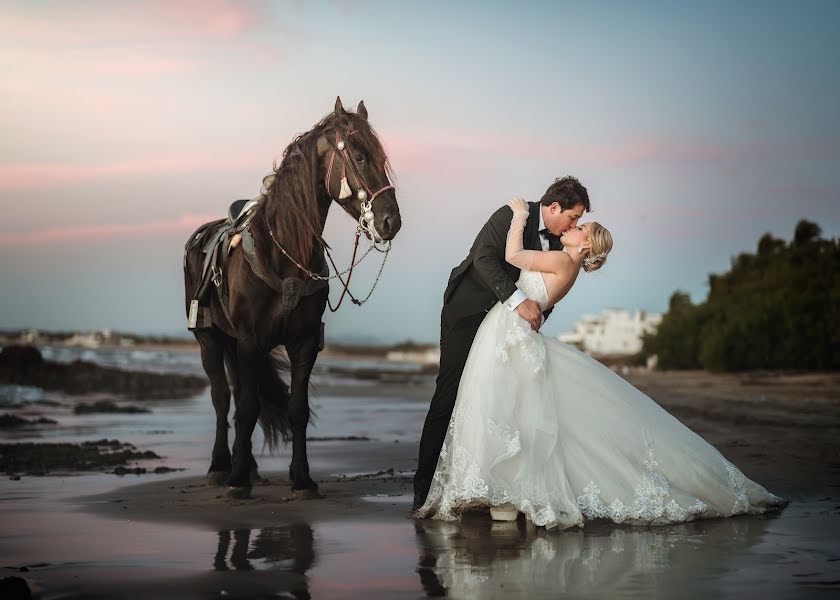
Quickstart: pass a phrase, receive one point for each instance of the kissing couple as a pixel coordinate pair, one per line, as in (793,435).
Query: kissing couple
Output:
(523,423)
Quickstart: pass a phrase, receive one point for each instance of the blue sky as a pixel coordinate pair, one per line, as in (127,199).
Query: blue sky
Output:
(696,128)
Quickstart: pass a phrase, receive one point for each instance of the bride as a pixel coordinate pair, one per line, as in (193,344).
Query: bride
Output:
(541,428)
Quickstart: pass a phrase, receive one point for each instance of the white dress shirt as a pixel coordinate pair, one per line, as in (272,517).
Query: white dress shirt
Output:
(517,297)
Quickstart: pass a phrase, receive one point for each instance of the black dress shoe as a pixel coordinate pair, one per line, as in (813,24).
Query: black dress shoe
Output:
(418,503)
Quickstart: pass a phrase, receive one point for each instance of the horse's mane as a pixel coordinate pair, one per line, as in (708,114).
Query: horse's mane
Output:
(290,208)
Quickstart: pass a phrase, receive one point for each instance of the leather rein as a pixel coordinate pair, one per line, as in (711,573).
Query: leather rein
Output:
(366,224)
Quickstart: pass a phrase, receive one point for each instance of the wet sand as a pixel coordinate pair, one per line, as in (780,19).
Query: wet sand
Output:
(174,536)
(781,431)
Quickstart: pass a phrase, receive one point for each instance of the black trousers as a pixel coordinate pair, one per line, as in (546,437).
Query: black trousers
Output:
(455,343)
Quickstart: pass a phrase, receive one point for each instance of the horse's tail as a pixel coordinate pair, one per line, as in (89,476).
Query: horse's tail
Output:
(274,398)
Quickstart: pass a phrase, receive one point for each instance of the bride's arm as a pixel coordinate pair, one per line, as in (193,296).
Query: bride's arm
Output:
(531,260)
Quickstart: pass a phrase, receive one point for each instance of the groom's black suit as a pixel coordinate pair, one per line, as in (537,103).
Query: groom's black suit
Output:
(483,279)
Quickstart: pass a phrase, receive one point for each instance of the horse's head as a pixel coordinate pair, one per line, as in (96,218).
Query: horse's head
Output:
(356,171)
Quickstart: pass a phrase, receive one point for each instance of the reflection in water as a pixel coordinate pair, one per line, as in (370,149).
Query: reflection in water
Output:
(289,548)
(481,558)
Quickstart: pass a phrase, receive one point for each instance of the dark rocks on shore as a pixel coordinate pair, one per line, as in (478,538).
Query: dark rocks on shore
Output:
(143,470)
(8,421)
(107,406)
(384,375)
(14,588)
(40,459)
(24,365)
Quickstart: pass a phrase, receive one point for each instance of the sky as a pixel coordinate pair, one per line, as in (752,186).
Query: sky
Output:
(696,128)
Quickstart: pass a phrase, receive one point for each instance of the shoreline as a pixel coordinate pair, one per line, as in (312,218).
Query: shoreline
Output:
(170,535)
(757,426)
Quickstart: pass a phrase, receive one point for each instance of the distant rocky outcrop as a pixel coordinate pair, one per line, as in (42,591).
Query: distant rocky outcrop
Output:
(107,406)
(24,365)
(10,421)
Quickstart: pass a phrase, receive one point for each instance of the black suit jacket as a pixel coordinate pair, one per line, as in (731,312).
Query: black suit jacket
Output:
(485,277)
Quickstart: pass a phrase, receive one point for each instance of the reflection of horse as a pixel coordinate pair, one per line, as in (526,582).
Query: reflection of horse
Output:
(288,549)
(477,557)
(272,290)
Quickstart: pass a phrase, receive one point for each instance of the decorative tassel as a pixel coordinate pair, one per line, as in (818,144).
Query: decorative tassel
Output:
(345,189)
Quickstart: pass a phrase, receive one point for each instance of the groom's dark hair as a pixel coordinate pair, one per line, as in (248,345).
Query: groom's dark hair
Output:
(568,192)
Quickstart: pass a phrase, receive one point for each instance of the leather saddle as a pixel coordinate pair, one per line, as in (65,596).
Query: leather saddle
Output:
(216,240)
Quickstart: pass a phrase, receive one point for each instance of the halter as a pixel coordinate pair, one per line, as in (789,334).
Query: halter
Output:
(363,191)
(366,217)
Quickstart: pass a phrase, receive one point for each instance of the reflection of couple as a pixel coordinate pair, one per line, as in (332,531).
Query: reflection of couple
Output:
(524,423)
(478,559)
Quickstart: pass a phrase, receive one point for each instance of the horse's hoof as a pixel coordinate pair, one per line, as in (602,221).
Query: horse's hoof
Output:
(239,493)
(218,478)
(307,494)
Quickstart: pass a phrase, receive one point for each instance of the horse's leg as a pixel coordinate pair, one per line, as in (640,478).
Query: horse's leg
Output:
(212,359)
(255,473)
(233,369)
(245,419)
(302,355)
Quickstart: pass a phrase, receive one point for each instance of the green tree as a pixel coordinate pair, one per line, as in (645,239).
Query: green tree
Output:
(776,309)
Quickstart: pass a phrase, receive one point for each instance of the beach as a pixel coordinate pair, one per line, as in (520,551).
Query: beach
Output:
(171,535)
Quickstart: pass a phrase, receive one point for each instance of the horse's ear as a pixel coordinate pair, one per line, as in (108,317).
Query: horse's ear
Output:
(362,111)
(339,108)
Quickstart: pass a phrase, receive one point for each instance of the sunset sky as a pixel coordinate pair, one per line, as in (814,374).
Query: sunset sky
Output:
(125,125)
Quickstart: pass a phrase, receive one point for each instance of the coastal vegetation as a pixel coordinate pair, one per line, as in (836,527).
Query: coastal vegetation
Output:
(778,308)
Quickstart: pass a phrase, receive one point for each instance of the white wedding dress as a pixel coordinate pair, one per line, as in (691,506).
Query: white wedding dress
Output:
(540,424)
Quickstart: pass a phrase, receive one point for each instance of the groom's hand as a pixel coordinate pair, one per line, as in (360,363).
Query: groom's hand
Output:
(530,311)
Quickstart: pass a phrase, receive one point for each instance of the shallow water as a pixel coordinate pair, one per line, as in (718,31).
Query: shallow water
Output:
(70,553)
(793,554)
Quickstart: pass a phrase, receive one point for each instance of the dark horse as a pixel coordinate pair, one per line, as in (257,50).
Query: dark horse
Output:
(248,312)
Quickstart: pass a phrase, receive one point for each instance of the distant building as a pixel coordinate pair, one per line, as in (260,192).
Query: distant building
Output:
(614,332)
(424,356)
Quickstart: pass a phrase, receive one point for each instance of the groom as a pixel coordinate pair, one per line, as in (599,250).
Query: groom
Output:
(475,285)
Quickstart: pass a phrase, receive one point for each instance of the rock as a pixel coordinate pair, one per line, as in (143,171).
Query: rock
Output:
(43,458)
(107,406)
(14,588)
(9,421)
(24,365)
(165,470)
(128,471)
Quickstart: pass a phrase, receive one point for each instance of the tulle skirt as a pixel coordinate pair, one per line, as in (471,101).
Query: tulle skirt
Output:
(542,425)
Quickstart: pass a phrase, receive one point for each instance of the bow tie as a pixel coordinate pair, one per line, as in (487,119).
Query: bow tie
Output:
(548,235)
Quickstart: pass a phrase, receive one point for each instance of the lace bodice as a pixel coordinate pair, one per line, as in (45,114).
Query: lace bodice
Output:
(533,284)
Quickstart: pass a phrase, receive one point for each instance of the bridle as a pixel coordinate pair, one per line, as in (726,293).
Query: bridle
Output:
(363,192)
(366,224)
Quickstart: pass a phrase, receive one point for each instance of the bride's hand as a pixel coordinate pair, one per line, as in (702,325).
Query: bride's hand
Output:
(518,205)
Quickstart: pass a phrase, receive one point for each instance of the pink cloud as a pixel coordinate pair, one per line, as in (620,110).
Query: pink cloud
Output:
(24,96)
(419,149)
(184,224)
(132,61)
(17,177)
(138,20)
(425,150)
(130,39)
(453,152)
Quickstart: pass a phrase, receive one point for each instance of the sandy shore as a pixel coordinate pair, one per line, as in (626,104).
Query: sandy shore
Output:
(781,430)
(189,500)
(171,535)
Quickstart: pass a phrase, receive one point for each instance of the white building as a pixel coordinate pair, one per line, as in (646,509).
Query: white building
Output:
(424,356)
(614,332)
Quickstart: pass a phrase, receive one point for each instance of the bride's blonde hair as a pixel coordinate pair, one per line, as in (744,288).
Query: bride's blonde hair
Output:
(602,243)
